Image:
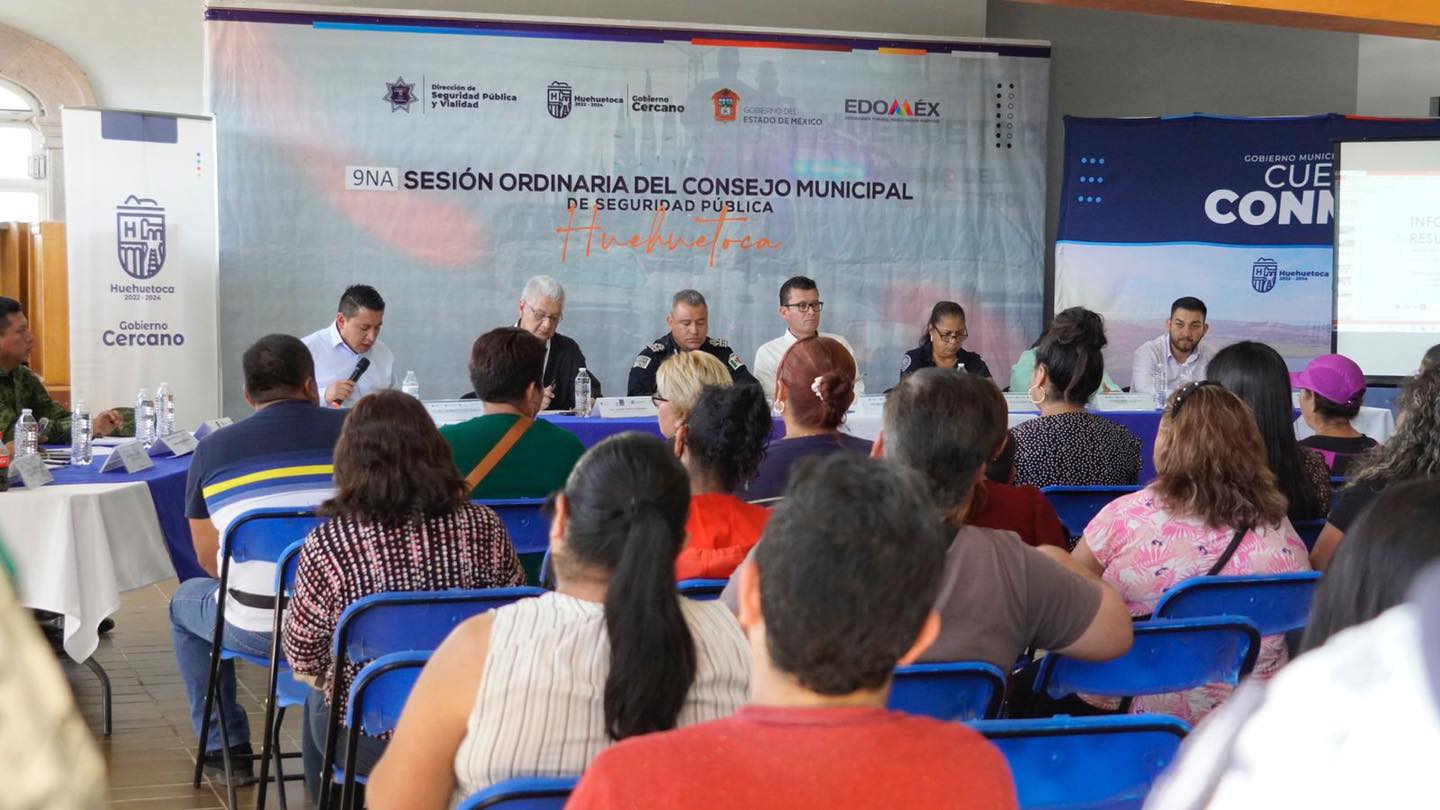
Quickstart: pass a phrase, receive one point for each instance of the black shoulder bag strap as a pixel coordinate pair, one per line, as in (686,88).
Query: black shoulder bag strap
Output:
(1220,564)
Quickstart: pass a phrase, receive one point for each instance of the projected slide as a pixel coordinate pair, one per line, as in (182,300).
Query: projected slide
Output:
(1387,254)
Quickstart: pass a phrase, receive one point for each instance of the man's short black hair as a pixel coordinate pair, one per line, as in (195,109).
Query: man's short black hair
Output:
(360,296)
(8,307)
(277,367)
(944,426)
(504,363)
(850,565)
(795,283)
(1191,304)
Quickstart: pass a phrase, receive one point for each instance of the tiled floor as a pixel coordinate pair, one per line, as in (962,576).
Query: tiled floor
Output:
(151,754)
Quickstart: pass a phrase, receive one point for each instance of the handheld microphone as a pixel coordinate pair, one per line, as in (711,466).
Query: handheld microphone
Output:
(360,366)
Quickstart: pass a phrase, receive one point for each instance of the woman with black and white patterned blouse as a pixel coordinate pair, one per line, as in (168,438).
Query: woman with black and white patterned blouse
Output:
(1067,446)
(400,521)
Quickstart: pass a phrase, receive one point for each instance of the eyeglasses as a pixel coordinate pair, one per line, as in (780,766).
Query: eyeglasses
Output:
(656,399)
(807,306)
(1184,392)
(545,316)
(951,337)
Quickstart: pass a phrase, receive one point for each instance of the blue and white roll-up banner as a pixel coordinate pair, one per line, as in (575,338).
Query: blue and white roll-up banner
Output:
(141,235)
(1238,212)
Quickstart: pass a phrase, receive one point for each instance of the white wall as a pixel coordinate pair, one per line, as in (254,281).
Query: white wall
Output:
(1397,76)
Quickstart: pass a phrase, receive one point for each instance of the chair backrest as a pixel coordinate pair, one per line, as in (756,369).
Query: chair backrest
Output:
(959,691)
(528,528)
(1309,531)
(702,590)
(264,534)
(1168,655)
(379,691)
(1085,762)
(1077,506)
(1276,603)
(411,621)
(285,568)
(530,793)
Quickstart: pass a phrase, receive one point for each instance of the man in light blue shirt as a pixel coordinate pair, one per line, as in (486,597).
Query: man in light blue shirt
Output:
(339,346)
(1177,354)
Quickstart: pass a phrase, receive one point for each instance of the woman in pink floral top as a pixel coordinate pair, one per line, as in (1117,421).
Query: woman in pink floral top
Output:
(1212,479)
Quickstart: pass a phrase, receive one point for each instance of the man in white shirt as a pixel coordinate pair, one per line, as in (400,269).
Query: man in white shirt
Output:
(339,346)
(1178,353)
(800,307)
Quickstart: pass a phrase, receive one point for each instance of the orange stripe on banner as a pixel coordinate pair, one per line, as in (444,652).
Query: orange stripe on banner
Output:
(905,51)
(784,46)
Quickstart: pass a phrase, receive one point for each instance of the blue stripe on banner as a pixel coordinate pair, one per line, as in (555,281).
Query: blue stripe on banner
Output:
(143,127)
(1201,244)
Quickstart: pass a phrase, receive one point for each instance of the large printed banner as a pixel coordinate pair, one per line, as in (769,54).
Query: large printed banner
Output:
(444,161)
(141,238)
(1236,211)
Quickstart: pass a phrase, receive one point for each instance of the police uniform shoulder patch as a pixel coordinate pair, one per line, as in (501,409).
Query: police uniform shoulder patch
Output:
(735,362)
(904,364)
(656,347)
(718,342)
(642,361)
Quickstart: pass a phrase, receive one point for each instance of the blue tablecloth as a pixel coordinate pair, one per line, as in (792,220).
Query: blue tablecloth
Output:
(167,490)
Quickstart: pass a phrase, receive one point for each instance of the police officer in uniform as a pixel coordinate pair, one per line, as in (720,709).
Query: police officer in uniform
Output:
(689,331)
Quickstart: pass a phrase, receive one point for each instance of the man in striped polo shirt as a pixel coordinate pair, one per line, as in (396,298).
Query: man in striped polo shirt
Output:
(280,456)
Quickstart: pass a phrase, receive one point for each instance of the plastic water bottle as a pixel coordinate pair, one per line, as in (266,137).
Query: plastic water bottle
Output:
(411,385)
(27,435)
(1159,380)
(960,367)
(81,433)
(582,393)
(164,411)
(144,418)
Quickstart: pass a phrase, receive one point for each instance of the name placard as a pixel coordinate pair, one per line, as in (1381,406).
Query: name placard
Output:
(1124,402)
(616,407)
(211,425)
(454,411)
(869,406)
(31,471)
(130,457)
(179,443)
(1020,401)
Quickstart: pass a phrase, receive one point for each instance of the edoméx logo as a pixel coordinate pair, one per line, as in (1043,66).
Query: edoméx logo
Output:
(892,109)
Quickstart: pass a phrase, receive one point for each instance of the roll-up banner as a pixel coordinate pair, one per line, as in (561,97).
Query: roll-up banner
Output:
(1239,212)
(141,237)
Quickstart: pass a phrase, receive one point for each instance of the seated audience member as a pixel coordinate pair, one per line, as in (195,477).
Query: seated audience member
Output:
(1257,374)
(355,333)
(400,521)
(1178,356)
(539,687)
(1413,452)
(1392,540)
(1065,445)
(280,456)
(800,307)
(508,453)
(941,345)
(1213,508)
(20,388)
(689,322)
(1431,358)
(721,444)
(851,532)
(999,504)
(1355,723)
(999,596)
(1332,389)
(542,305)
(1024,369)
(678,384)
(815,385)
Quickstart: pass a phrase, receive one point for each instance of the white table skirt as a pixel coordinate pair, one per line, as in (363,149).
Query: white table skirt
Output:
(78,546)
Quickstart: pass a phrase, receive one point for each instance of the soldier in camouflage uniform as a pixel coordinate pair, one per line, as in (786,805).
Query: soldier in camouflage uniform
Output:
(20,388)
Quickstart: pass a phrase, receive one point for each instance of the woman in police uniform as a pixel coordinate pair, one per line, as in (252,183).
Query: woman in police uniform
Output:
(941,344)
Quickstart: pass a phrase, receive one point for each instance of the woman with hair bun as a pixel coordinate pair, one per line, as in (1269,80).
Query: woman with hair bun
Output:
(1066,446)
(814,387)
(721,444)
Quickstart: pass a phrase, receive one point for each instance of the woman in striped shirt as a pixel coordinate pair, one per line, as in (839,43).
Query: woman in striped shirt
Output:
(400,522)
(540,687)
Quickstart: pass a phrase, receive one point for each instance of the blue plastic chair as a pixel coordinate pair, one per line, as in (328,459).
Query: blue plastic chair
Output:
(1309,531)
(702,590)
(1070,763)
(410,621)
(377,699)
(259,535)
(529,793)
(1168,655)
(529,529)
(959,691)
(1077,506)
(283,691)
(1275,603)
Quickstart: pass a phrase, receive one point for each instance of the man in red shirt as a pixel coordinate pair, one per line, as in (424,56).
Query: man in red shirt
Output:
(837,594)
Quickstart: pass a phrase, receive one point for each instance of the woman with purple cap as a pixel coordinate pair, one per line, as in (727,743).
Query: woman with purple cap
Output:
(1332,388)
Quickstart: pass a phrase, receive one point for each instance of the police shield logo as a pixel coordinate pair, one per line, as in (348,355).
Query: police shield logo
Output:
(1263,274)
(558,98)
(140,237)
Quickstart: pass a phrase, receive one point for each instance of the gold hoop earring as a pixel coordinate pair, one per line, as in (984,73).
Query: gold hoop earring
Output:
(1043,394)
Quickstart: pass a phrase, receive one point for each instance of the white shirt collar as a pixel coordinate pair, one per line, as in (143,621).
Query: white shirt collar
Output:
(337,340)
